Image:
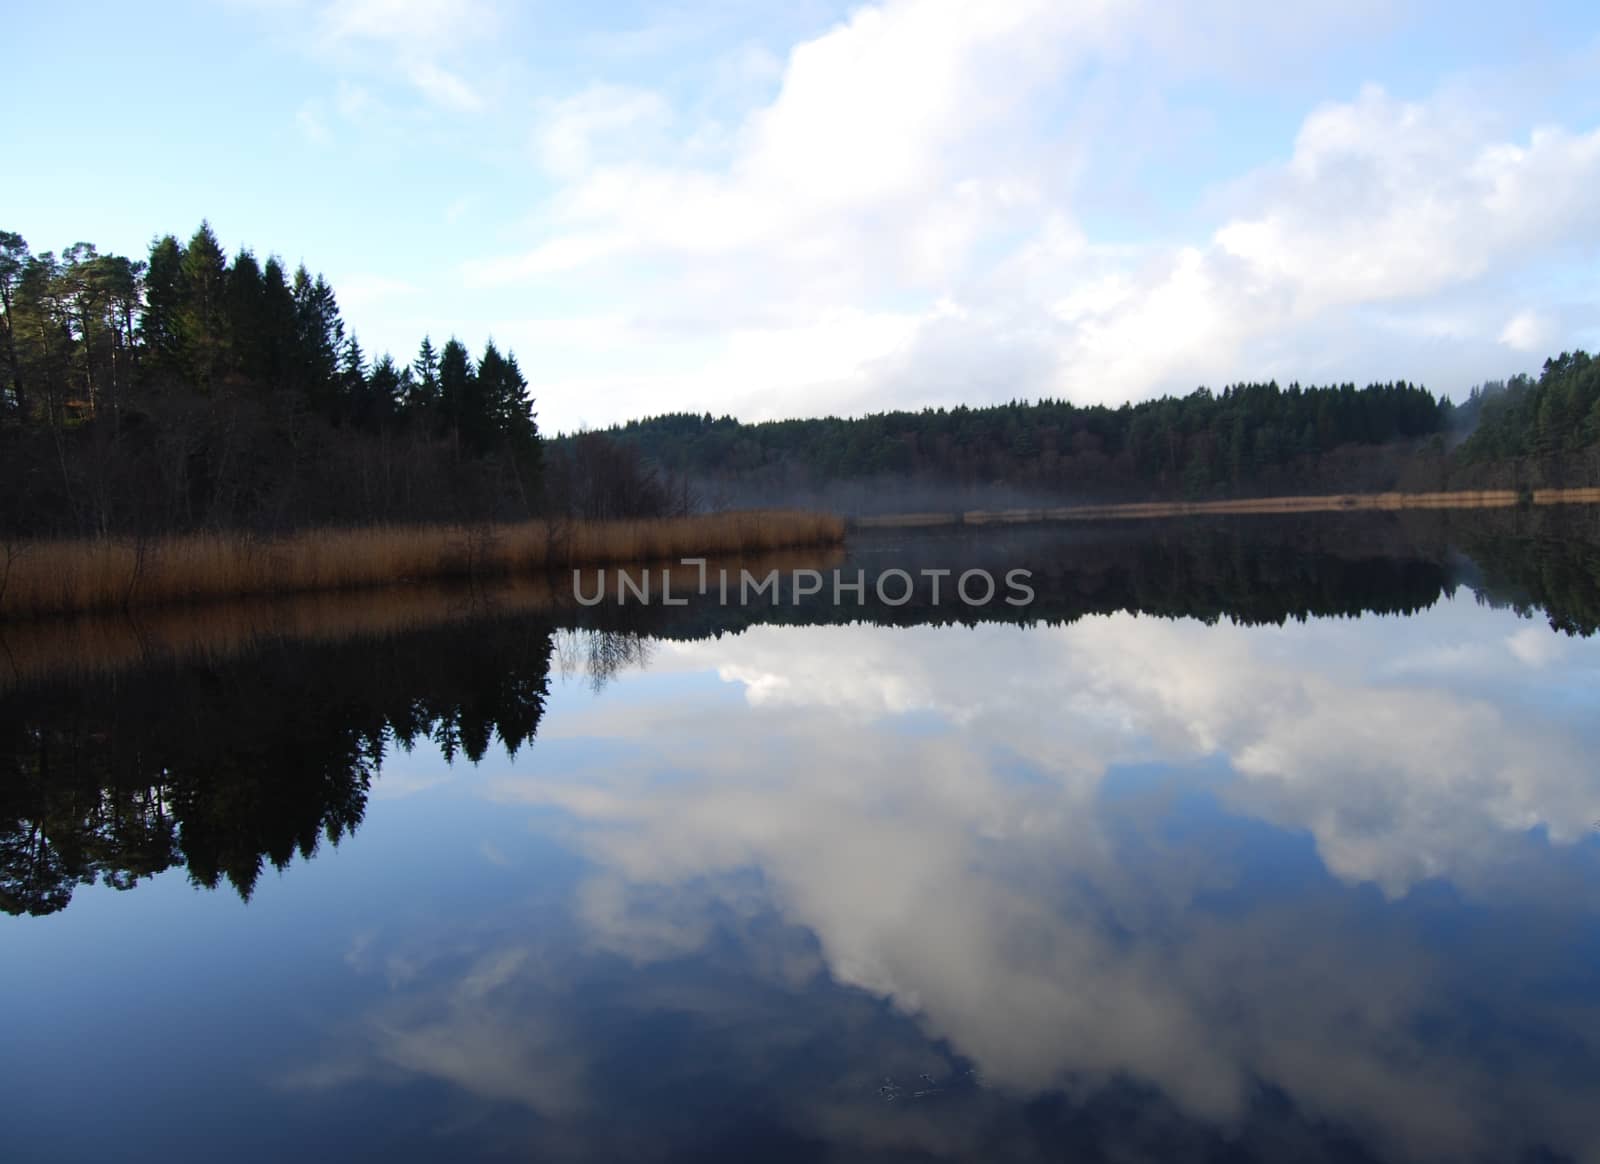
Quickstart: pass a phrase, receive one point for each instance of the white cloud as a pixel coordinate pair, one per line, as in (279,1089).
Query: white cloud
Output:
(920,154)
(1384,200)
(412,26)
(443,87)
(413,37)
(571,128)
(311,122)
(1527,331)
(1534,647)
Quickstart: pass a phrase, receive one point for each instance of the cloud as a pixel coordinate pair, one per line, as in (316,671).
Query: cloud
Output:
(410,26)
(923,161)
(1527,331)
(572,129)
(411,37)
(1385,199)
(850,168)
(1418,775)
(443,87)
(311,122)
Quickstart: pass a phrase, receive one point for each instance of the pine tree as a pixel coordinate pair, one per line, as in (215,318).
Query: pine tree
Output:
(422,400)
(384,388)
(458,392)
(319,340)
(164,299)
(278,368)
(202,318)
(13,257)
(246,316)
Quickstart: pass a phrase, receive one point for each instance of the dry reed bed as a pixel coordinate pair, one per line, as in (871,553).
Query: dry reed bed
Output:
(1328,503)
(77,646)
(53,577)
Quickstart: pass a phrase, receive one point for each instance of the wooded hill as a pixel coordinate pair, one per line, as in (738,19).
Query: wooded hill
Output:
(1252,439)
(187,390)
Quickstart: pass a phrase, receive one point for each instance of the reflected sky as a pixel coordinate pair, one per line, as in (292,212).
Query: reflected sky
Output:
(1128,889)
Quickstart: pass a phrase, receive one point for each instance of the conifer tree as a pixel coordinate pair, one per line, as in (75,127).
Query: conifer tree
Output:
(13,257)
(383,391)
(246,316)
(279,371)
(423,397)
(164,298)
(202,318)
(458,392)
(319,340)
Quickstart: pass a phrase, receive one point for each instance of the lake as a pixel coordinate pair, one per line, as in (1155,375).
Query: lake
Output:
(1245,839)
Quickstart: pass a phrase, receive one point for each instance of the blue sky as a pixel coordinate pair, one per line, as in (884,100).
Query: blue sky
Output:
(789,209)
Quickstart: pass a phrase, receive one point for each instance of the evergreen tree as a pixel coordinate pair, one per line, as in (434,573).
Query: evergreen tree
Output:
(13,258)
(279,369)
(202,319)
(319,340)
(384,390)
(353,381)
(246,316)
(164,300)
(423,398)
(458,392)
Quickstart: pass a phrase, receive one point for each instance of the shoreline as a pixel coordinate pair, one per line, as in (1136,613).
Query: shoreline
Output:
(77,645)
(85,575)
(1321,503)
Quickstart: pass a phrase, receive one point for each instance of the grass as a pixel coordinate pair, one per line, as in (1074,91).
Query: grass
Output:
(54,577)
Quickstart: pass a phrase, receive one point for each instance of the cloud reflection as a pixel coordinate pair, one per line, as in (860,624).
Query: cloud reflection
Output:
(1319,875)
(942,809)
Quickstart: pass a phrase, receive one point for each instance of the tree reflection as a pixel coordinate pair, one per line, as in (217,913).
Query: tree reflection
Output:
(224,765)
(229,767)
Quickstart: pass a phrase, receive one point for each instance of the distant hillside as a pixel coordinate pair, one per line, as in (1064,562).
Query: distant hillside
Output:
(1247,440)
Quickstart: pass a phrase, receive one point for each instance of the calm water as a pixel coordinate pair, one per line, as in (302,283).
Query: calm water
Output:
(1260,843)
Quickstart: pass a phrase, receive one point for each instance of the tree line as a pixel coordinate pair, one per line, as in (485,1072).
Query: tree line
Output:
(1245,437)
(188,389)
(1249,439)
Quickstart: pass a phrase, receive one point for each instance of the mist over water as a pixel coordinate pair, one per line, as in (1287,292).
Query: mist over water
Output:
(1250,839)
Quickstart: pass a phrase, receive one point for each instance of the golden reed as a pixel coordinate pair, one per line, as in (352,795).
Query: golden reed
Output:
(51,577)
(1330,503)
(79,646)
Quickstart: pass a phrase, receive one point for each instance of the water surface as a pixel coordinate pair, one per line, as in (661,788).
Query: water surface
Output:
(1247,841)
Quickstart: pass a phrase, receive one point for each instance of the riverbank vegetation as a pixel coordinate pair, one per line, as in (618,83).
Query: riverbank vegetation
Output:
(81,574)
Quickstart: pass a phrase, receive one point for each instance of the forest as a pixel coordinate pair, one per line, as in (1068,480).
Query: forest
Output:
(1249,439)
(1553,420)
(186,390)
